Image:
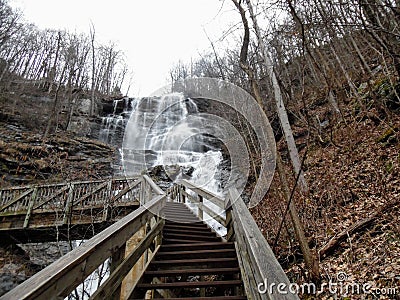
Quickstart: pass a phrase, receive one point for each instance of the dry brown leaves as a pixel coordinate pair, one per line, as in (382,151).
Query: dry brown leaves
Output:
(349,180)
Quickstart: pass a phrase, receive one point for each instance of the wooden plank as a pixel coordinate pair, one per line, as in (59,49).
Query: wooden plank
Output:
(64,275)
(16,199)
(49,198)
(206,194)
(154,186)
(262,260)
(30,206)
(212,213)
(114,281)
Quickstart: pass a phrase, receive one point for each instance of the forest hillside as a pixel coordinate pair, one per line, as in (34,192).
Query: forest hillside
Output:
(331,67)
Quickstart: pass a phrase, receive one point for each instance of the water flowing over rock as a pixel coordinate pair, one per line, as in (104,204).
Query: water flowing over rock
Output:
(163,131)
(166,131)
(117,115)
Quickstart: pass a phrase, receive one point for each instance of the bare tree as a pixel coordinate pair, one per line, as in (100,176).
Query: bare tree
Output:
(310,260)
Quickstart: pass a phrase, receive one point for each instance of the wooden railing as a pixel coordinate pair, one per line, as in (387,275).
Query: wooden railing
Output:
(261,272)
(58,196)
(206,205)
(59,279)
(71,202)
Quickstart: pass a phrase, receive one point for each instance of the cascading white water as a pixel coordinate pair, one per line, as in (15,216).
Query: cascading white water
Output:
(161,132)
(113,125)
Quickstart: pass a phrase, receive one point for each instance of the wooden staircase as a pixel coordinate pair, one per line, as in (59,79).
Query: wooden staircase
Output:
(159,250)
(192,262)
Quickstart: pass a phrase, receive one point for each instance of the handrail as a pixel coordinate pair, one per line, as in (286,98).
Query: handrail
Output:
(153,185)
(262,275)
(201,194)
(258,264)
(204,193)
(60,278)
(62,198)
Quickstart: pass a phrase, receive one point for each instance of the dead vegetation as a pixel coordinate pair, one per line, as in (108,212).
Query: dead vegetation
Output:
(351,212)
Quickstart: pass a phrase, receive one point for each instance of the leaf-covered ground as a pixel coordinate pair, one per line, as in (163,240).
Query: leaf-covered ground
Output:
(353,171)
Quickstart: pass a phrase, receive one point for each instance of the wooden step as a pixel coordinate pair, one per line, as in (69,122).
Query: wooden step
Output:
(189,284)
(193,226)
(196,237)
(177,213)
(181,216)
(176,209)
(191,272)
(205,263)
(197,246)
(194,229)
(183,241)
(175,204)
(196,254)
(185,220)
(188,232)
(167,221)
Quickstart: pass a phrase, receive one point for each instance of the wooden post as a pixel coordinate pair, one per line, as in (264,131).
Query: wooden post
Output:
(230,233)
(107,201)
(68,205)
(136,271)
(142,188)
(31,204)
(201,217)
(116,259)
(183,194)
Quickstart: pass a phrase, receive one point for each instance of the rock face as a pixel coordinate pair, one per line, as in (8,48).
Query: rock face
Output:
(27,158)
(19,262)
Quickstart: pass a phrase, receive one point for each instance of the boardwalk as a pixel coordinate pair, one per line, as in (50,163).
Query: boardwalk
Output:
(67,211)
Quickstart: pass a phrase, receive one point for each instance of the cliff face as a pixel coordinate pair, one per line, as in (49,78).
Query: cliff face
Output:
(68,152)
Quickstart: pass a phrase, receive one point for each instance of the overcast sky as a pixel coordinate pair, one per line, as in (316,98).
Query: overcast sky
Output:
(153,34)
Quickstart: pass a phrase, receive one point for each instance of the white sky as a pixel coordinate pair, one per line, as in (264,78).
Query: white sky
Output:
(153,34)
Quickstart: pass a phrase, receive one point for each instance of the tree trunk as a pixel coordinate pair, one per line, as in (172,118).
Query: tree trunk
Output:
(281,109)
(311,262)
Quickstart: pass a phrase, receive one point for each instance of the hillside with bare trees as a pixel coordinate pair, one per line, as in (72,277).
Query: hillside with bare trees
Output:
(333,68)
(327,75)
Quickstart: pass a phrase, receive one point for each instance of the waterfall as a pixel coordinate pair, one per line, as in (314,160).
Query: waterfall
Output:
(113,125)
(165,131)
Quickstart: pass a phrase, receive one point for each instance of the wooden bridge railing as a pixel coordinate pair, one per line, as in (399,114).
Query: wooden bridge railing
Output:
(59,279)
(86,202)
(260,270)
(16,200)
